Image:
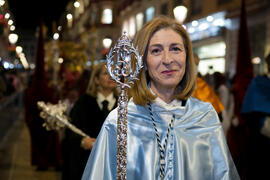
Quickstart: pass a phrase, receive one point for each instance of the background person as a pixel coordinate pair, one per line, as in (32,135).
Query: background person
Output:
(88,114)
(256,112)
(205,93)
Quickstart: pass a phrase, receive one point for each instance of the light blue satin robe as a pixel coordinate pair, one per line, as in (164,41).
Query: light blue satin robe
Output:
(196,148)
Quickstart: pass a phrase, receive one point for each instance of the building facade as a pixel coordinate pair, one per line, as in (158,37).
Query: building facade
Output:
(212,24)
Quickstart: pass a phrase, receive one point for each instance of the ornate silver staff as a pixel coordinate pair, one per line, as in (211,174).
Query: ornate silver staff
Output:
(55,119)
(122,71)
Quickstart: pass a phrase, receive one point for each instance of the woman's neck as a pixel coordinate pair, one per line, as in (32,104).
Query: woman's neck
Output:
(164,93)
(105,92)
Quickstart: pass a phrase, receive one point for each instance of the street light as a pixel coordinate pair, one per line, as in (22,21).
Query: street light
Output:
(180,11)
(13,38)
(19,49)
(69,16)
(76,4)
(107,42)
(69,19)
(7,16)
(2,2)
(55,36)
(12,28)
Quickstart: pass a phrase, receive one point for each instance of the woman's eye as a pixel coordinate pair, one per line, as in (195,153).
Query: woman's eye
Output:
(155,51)
(176,49)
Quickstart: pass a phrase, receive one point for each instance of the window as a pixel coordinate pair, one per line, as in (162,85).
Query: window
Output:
(106,16)
(212,57)
(164,9)
(132,27)
(139,21)
(196,7)
(125,27)
(150,13)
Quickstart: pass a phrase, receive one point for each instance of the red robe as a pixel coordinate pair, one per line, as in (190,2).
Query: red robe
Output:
(45,145)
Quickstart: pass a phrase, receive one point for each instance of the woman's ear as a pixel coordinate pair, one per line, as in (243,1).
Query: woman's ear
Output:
(96,81)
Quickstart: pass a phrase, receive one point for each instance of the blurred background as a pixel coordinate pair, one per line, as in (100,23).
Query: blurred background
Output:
(61,41)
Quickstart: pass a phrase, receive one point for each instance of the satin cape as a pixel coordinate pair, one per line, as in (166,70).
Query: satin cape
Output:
(196,148)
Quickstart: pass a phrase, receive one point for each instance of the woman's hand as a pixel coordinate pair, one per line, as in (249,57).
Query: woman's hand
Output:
(87,143)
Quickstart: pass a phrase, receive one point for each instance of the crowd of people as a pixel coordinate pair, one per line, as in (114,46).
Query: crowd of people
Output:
(11,82)
(178,123)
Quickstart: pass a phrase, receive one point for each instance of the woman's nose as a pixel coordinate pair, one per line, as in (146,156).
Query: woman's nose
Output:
(167,57)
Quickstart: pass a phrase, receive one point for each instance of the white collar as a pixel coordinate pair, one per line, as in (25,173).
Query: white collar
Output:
(110,98)
(101,97)
(168,106)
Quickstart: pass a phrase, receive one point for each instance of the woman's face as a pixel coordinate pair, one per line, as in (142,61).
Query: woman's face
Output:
(166,59)
(104,81)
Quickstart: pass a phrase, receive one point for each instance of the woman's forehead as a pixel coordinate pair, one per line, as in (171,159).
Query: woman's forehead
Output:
(166,35)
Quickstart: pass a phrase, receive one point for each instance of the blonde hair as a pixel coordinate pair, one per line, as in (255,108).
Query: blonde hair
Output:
(140,91)
(92,88)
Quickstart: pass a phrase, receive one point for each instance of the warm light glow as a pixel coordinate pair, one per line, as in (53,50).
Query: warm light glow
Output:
(211,66)
(132,27)
(19,49)
(60,60)
(6,65)
(2,2)
(13,38)
(69,20)
(69,16)
(7,16)
(10,22)
(184,26)
(55,36)
(107,42)
(24,61)
(139,21)
(107,16)
(125,27)
(256,60)
(76,4)
(12,28)
(180,13)
(32,66)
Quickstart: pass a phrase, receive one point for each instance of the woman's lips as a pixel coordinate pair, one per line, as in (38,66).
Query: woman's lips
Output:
(168,72)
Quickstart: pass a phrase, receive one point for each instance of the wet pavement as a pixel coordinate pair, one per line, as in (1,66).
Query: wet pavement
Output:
(15,163)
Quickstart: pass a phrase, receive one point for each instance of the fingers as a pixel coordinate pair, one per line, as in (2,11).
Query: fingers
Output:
(87,143)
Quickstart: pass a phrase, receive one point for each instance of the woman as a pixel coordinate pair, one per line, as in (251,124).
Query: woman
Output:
(88,114)
(170,134)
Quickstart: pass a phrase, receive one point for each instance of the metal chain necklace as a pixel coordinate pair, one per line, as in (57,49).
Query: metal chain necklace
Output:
(161,148)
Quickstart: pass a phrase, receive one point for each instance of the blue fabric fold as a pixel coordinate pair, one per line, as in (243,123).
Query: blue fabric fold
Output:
(196,146)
